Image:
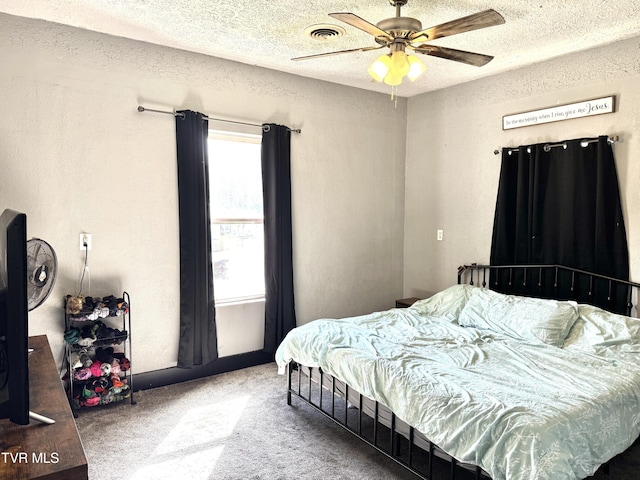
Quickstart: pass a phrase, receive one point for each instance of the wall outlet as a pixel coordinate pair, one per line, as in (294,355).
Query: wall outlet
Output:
(85,241)
(440,235)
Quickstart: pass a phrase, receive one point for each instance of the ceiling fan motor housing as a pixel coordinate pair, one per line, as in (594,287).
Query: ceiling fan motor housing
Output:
(399,27)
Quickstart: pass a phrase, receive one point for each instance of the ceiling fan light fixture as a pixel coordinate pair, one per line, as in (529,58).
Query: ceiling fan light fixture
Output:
(400,63)
(393,78)
(380,68)
(393,67)
(416,67)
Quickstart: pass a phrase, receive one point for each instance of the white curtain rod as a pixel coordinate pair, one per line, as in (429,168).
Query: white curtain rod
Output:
(549,146)
(179,114)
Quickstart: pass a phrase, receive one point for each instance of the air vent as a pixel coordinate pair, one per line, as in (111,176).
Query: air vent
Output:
(324,32)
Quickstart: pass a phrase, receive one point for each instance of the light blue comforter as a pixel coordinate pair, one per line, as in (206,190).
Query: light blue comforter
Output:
(519,409)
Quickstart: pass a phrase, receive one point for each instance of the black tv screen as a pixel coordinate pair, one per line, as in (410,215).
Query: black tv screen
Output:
(14,317)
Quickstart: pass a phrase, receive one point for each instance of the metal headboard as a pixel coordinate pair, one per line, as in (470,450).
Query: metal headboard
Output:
(554,281)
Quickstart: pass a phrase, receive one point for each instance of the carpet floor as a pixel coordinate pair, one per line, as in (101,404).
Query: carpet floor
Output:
(233,426)
(237,426)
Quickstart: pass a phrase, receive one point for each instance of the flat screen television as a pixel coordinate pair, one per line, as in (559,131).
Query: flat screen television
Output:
(14,318)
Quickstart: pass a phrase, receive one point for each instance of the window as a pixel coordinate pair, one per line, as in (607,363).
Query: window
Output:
(237,217)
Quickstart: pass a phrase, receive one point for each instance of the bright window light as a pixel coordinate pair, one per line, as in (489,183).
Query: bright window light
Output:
(237,217)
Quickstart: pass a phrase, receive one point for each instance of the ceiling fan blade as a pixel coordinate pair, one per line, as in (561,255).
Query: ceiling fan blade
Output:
(487,18)
(362,24)
(318,55)
(470,58)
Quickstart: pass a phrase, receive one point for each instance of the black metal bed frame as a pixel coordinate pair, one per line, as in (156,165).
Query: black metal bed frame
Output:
(368,420)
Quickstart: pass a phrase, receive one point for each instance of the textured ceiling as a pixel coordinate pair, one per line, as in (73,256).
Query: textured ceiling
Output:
(270,33)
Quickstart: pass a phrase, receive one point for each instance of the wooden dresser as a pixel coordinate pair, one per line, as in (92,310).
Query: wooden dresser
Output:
(37,450)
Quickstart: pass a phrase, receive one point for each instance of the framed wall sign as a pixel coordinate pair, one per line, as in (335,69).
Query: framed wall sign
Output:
(597,106)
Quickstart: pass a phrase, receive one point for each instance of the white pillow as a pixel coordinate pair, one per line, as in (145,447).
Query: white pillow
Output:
(523,318)
(446,303)
(598,330)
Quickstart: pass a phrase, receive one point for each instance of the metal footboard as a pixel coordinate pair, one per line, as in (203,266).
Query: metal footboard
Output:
(376,425)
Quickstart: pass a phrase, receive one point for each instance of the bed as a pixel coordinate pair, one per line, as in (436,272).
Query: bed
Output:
(475,382)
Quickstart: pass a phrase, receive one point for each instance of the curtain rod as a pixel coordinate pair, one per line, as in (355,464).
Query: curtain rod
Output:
(549,146)
(178,114)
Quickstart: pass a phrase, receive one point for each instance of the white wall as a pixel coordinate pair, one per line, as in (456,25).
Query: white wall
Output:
(452,172)
(76,156)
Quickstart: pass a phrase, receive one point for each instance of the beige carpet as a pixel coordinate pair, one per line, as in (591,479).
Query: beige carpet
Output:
(236,426)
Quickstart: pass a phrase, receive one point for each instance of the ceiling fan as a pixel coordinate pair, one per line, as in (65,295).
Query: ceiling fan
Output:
(405,33)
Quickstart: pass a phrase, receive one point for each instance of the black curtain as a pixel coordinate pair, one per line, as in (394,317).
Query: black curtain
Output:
(561,206)
(198,343)
(280,315)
